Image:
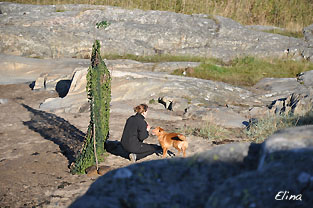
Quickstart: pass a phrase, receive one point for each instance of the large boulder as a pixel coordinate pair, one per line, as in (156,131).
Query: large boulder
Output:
(283,177)
(298,139)
(168,183)
(16,69)
(68,31)
(282,184)
(225,176)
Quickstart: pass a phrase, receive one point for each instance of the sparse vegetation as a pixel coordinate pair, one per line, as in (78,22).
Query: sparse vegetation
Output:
(245,71)
(268,125)
(256,133)
(209,131)
(248,71)
(152,101)
(292,14)
(295,34)
(59,10)
(154,58)
(103,24)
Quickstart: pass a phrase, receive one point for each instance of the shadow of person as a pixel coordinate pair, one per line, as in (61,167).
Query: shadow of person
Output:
(56,129)
(116,148)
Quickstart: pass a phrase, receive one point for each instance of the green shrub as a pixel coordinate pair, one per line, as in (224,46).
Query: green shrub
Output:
(99,95)
(103,24)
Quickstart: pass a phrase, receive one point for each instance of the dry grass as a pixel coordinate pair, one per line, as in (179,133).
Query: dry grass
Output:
(257,133)
(268,125)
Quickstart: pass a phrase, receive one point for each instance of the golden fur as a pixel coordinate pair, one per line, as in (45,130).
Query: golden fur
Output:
(168,140)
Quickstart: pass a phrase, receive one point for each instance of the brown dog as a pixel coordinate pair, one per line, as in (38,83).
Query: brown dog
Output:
(168,140)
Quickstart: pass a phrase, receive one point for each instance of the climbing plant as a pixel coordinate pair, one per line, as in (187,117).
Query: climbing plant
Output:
(99,97)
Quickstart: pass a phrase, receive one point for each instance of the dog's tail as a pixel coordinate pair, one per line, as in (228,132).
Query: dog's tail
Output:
(182,137)
(183,146)
(178,137)
(184,143)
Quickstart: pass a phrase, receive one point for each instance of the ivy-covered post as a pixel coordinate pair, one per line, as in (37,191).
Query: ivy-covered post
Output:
(99,97)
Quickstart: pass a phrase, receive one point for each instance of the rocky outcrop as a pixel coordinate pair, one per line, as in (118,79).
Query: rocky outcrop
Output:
(153,184)
(16,69)
(273,174)
(189,98)
(192,98)
(306,78)
(279,87)
(284,96)
(308,35)
(69,30)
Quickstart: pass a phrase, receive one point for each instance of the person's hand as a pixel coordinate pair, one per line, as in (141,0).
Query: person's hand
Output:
(148,127)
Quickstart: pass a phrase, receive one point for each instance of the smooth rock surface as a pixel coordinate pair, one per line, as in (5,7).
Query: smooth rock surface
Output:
(69,30)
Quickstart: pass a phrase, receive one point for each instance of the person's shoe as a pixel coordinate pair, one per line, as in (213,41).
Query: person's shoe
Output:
(132,157)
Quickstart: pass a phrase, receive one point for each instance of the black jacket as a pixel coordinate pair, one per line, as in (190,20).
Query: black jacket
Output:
(135,131)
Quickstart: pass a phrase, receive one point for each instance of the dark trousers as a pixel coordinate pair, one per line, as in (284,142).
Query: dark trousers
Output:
(143,150)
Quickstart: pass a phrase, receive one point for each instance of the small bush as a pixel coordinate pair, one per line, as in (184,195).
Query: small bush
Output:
(152,101)
(103,24)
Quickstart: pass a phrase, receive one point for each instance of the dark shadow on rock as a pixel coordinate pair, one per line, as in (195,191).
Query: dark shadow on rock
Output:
(251,161)
(116,148)
(62,87)
(32,85)
(58,130)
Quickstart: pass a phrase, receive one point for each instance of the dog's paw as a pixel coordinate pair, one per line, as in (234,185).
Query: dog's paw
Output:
(159,153)
(171,154)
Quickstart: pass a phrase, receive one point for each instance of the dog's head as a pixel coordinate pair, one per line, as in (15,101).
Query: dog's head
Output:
(157,131)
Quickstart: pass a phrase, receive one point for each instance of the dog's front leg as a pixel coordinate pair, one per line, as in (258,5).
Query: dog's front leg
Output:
(164,152)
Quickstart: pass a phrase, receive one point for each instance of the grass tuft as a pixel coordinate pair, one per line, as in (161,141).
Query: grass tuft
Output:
(268,125)
(209,131)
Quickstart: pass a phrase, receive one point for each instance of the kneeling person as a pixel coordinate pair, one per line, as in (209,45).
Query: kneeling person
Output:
(136,130)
